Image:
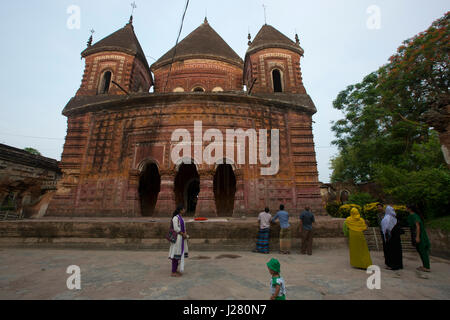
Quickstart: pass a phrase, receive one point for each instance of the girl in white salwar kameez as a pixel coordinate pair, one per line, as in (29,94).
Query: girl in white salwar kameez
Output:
(179,250)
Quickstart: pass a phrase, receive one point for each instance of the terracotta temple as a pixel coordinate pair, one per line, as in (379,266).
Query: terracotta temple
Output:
(117,159)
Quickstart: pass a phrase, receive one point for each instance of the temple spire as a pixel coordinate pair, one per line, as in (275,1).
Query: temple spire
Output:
(249,38)
(265,13)
(91,38)
(133,6)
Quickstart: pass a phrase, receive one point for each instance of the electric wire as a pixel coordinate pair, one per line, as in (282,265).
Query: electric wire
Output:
(176,44)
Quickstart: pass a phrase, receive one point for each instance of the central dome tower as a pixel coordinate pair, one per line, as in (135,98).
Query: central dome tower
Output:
(203,61)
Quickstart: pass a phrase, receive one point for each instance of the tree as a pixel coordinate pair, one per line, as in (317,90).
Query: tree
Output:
(33,151)
(383,136)
(418,75)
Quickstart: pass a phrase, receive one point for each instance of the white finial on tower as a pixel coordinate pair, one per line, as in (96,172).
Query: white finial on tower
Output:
(133,6)
(265,14)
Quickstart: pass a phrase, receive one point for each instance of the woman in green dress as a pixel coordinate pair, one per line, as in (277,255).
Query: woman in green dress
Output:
(359,251)
(419,237)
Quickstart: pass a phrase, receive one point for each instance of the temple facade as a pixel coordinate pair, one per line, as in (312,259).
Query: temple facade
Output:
(121,157)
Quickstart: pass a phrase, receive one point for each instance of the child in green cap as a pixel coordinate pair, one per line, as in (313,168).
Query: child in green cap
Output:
(277,286)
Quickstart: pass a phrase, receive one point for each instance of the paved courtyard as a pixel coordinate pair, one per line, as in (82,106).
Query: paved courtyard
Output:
(41,274)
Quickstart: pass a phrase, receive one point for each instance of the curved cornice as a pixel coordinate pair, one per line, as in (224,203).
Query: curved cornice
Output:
(160,64)
(84,104)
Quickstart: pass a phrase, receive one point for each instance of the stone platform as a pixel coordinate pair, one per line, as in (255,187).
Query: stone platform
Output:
(149,233)
(41,274)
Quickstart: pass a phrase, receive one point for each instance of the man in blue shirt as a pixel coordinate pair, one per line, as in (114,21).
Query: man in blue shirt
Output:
(306,229)
(285,232)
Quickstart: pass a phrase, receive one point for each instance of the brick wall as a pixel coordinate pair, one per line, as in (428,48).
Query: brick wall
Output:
(128,71)
(261,64)
(192,73)
(104,152)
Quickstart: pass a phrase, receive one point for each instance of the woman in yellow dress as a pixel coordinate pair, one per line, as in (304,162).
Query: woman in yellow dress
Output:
(359,252)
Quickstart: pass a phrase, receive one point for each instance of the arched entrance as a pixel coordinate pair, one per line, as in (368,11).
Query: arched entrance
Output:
(187,187)
(149,187)
(224,190)
(345,196)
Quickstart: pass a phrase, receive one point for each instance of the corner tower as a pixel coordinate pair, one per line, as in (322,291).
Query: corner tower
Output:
(272,63)
(272,71)
(115,65)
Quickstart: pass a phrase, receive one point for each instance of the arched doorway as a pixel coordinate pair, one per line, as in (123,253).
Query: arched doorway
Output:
(149,187)
(345,196)
(224,190)
(187,187)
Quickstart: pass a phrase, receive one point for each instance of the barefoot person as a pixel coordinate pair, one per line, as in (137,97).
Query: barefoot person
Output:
(264,219)
(419,237)
(359,252)
(306,230)
(179,250)
(392,231)
(285,232)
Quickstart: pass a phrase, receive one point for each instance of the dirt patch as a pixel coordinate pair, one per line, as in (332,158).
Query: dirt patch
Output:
(200,258)
(228,256)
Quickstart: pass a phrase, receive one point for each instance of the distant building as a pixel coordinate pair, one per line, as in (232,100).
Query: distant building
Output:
(25,178)
(117,155)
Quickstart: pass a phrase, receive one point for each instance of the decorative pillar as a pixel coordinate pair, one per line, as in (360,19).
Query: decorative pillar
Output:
(166,205)
(206,205)
(132,195)
(239,199)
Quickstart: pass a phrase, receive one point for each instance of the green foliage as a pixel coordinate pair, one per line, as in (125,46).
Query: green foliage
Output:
(8,205)
(402,215)
(370,213)
(439,223)
(383,136)
(360,199)
(338,167)
(33,151)
(333,207)
(418,74)
(344,210)
(428,188)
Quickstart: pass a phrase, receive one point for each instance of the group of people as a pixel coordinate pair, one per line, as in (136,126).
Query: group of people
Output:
(265,221)
(353,228)
(179,251)
(391,231)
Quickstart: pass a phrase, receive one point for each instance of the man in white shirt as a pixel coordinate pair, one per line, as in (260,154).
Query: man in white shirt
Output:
(264,221)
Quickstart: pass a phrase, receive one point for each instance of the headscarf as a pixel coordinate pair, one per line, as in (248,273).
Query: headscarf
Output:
(274,265)
(389,221)
(355,222)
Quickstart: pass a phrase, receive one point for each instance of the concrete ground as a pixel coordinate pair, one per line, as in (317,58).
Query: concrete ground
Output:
(41,274)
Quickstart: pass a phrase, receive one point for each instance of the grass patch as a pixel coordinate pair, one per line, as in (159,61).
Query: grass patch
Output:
(439,223)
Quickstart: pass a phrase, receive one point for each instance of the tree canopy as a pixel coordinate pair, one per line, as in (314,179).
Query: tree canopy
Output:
(384,136)
(33,151)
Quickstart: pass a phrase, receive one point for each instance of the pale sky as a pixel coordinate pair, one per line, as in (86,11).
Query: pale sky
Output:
(42,69)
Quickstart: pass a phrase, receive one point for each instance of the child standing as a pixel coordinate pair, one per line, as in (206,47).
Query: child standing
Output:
(277,285)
